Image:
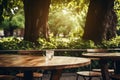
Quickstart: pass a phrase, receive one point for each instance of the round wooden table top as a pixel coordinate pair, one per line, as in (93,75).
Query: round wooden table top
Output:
(115,56)
(30,61)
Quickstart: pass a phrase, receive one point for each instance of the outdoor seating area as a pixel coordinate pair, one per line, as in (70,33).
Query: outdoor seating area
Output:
(28,62)
(59,39)
(91,73)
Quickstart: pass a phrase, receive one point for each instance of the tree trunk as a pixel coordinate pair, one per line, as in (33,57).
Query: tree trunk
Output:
(36,17)
(6,33)
(101,21)
(11,30)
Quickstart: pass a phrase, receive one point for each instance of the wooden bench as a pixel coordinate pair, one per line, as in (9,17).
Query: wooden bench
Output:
(88,74)
(36,75)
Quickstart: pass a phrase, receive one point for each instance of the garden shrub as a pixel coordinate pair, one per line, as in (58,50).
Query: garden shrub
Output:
(13,43)
(113,43)
(81,44)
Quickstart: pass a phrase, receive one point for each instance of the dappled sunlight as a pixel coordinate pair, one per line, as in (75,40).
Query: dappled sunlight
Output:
(65,11)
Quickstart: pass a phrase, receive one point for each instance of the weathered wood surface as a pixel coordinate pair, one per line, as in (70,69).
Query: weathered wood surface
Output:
(112,56)
(30,62)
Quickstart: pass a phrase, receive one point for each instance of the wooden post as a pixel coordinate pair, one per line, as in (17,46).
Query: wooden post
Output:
(104,69)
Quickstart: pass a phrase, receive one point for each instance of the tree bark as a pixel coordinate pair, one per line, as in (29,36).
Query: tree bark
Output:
(36,17)
(101,21)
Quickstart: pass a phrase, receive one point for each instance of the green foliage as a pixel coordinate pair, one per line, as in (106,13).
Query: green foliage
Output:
(68,17)
(44,44)
(81,44)
(61,23)
(9,13)
(62,43)
(18,20)
(5,24)
(8,43)
(113,43)
(13,43)
(26,45)
(117,10)
(56,43)
(11,7)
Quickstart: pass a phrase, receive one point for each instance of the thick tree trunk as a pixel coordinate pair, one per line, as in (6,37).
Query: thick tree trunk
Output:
(101,21)
(36,17)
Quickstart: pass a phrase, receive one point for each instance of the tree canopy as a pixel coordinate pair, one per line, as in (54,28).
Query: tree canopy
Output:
(73,21)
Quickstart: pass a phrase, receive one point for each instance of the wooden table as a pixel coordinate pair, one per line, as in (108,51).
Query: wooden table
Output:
(104,58)
(30,62)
